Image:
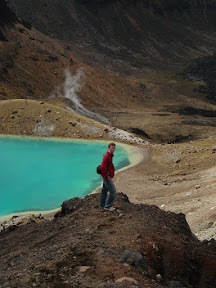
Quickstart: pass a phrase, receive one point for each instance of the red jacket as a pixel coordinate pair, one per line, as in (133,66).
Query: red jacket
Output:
(107,167)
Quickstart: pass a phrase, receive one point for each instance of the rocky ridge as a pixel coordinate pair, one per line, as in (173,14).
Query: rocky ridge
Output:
(87,246)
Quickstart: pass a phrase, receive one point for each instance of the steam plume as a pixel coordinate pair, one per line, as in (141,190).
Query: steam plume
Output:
(70,88)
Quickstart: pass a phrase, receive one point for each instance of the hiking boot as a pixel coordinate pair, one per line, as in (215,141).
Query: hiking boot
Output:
(111,209)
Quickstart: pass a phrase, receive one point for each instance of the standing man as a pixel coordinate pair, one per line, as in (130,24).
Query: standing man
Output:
(107,172)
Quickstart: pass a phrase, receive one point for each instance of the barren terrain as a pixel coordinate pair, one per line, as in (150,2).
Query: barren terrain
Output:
(86,246)
(179,177)
(151,101)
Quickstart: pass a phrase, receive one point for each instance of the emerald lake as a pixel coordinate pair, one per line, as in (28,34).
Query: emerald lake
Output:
(39,174)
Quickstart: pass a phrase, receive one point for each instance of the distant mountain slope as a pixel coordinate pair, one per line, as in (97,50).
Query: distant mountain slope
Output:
(141,32)
(6,17)
(122,83)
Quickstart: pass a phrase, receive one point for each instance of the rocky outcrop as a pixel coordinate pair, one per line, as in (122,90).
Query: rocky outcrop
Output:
(91,247)
(69,206)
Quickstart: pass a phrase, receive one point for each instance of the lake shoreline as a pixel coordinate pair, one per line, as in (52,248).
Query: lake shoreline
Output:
(136,154)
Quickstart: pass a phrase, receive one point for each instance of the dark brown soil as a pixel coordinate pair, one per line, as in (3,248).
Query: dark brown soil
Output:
(91,247)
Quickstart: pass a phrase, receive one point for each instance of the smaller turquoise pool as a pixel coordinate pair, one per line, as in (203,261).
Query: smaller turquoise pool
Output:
(38,174)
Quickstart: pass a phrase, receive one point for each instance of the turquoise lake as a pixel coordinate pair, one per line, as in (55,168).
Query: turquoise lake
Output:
(38,174)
